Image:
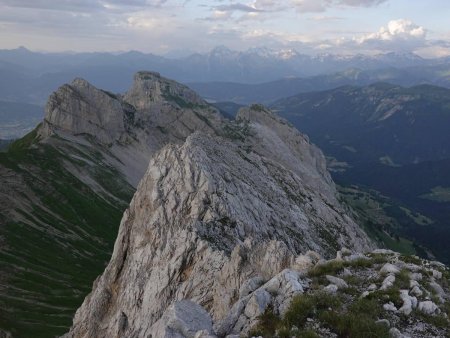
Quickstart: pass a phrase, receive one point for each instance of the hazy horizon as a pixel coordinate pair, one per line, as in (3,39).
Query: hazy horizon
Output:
(344,27)
(174,54)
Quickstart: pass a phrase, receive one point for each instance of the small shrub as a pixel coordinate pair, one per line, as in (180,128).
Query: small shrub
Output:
(308,333)
(267,325)
(355,325)
(369,307)
(328,268)
(439,321)
(306,306)
(411,259)
(384,296)
(379,258)
(402,279)
(361,263)
(352,280)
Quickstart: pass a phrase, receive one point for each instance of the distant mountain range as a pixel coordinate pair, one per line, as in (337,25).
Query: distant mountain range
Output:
(388,138)
(268,92)
(17,119)
(28,76)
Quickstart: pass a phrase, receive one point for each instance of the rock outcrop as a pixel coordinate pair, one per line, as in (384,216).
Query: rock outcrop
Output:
(212,221)
(133,126)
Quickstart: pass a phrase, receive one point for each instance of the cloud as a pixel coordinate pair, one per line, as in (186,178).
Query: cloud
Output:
(325,18)
(238,7)
(398,34)
(81,5)
(322,5)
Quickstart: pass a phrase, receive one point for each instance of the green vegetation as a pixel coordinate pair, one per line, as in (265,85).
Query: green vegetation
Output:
(63,238)
(334,267)
(416,217)
(357,320)
(25,142)
(257,107)
(438,194)
(329,268)
(386,160)
(237,131)
(374,213)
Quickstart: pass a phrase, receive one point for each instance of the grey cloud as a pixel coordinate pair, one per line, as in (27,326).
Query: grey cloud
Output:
(238,7)
(323,5)
(362,3)
(80,5)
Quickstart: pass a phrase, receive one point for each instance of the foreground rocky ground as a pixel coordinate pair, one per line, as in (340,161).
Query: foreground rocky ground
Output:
(379,294)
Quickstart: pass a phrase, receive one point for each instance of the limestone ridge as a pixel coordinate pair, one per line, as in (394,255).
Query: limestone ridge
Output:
(154,112)
(212,217)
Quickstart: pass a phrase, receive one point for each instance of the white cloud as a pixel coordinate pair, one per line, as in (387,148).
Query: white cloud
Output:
(397,29)
(399,34)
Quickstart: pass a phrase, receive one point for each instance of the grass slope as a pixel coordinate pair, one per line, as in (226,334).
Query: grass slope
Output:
(53,247)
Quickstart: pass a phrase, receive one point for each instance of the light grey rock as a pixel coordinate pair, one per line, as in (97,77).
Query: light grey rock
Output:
(390,307)
(438,290)
(384,322)
(331,288)
(226,325)
(436,274)
(184,319)
(416,291)
(258,303)
(346,272)
(428,307)
(409,303)
(388,282)
(306,261)
(130,128)
(395,333)
(5,334)
(385,252)
(204,334)
(389,268)
(417,276)
(250,285)
(365,294)
(80,108)
(372,287)
(339,282)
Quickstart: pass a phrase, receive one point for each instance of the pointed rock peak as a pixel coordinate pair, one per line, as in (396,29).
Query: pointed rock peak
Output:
(146,76)
(80,83)
(260,114)
(150,87)
(278,139)
(81,108)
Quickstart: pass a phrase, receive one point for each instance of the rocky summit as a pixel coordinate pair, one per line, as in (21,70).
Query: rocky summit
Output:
(212,220)
(154,112)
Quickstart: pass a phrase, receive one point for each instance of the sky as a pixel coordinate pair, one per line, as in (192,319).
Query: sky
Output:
(176,27)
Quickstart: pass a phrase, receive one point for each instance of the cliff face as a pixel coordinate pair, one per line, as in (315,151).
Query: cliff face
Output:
(209,217)
(133,126)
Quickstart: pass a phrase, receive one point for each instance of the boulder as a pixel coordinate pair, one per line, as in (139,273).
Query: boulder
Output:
(428,307)
(339,282)
(184,319)
(389,268)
